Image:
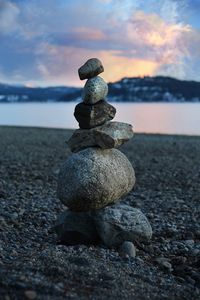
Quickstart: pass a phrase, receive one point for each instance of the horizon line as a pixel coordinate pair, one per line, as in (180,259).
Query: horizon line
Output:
(79,87)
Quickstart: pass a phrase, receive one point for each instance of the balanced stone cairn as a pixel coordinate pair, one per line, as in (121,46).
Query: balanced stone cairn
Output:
(97,175)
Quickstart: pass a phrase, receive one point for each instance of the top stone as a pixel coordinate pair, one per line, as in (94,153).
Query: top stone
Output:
(91,68)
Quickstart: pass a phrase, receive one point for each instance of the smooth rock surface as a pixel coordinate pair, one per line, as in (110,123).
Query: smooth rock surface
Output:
(91,68)
(95,90)
(76,228)
(94,178)
(109,135)
(119,223)
(90,116)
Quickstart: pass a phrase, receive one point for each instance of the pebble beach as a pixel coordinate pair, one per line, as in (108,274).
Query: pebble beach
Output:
(35,265)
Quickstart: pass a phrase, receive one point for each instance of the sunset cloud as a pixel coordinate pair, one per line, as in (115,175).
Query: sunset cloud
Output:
(163,42)
(154,31)
(62,63)
(46,44)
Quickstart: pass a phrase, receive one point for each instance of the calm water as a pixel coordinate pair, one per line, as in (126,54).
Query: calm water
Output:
(175,118)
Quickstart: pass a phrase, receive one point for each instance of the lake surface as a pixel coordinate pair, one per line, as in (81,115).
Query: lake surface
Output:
(170,118)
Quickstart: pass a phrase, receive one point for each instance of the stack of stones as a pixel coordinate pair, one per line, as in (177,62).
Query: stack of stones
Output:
(97,175)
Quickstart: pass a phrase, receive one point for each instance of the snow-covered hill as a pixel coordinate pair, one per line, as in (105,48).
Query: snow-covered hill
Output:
(9,93)
(147,89)
(154,89)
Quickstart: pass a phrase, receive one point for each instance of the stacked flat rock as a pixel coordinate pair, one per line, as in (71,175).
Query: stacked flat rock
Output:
(96,174)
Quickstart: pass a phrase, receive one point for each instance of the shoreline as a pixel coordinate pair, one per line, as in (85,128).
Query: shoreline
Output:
(72,129)
(167,192)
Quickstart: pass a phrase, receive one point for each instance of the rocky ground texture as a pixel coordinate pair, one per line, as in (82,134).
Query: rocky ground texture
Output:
(33,263)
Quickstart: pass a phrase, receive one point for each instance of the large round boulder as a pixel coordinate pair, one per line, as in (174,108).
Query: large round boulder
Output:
(94,178)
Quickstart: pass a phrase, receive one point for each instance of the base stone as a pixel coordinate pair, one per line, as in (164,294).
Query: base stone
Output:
(76,228)
(118,223)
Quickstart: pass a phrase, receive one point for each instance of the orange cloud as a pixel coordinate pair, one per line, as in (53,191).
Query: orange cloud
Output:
(117,66)
(60,64)
(150,46)
(152,29)
(163,39)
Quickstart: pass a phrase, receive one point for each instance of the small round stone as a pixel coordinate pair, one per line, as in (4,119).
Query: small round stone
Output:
(95,90)
(91,68)
(31,295)
(127,249)
(164,263)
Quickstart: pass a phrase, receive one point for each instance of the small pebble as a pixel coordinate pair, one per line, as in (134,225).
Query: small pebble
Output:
(195,252)
(179,260)
(91,68)
(190,280)
(30,294)
(197,233)
(137,204)
(127,249)
(164,263)
(189,235)
(189,243)
(170,232)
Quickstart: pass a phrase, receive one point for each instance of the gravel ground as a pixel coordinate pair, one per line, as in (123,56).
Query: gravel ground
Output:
(33,265)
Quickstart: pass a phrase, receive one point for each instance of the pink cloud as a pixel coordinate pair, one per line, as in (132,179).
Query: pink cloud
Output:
(129,41)
(157,35)
(86,33)
(149,46)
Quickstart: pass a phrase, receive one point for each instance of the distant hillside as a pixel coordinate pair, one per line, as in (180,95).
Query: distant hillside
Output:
(147,89)
(154,89)
(9,93)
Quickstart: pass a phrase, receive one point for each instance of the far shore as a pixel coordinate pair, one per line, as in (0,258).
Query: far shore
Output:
(70,131)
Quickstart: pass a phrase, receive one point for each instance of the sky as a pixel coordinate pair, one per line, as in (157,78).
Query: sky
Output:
(44,42)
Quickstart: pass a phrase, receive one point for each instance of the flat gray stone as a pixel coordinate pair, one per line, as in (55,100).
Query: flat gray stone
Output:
(76,228)
(95,90)
(90,116)
(118,223)
(109,135)
(91,68)
(94,178)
